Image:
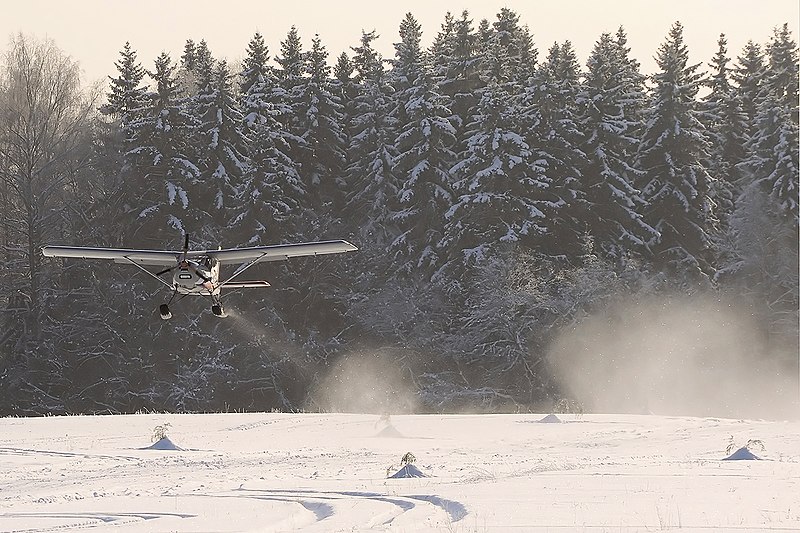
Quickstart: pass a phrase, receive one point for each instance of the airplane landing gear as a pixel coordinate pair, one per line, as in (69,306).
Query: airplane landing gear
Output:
(166,314)
(218,310)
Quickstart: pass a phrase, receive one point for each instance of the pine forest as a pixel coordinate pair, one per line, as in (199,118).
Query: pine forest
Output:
(500,196)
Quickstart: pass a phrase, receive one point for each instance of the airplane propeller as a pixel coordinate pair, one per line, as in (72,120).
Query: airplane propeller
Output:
(185,246)
(184,261)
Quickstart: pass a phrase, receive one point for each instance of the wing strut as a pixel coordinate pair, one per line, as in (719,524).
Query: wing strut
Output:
(140,267)
(241,269)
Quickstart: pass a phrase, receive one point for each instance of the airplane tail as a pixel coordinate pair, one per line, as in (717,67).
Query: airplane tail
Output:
(245,285)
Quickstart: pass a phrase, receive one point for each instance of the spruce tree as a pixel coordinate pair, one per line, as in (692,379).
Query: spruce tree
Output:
(499,204)
(408,64)
(320,117)
(441,53)
(126,95)
(424,157)
(292,59)
(195,71)
(631,77)
(773,148)
(127,100)
(371,175)
(512,57)
(163,151)
(269,197)
(747,75)
(548,112)
(222,148)
(287,96)
(762,267)
(346,89)
(725,123)
(343,72)
(189,57)
(671,155)
(782,75)
(456,68)
(255,64)
(613,204)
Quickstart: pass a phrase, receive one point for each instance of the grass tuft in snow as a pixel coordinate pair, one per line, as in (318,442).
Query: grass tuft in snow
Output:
(407,468)
(160,431)
(745,453)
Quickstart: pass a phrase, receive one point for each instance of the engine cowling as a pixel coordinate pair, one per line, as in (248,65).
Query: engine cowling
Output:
(188,275)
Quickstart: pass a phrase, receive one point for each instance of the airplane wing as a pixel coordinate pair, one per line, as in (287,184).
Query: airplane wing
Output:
(118,255)
(278,252)
(257,254)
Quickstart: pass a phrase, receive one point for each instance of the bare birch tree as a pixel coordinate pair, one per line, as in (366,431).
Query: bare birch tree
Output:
(44,123)
(45,145)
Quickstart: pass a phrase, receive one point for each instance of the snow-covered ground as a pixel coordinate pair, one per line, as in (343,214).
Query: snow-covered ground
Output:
(329,472)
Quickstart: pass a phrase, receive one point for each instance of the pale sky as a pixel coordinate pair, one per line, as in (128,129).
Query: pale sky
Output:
(94,31)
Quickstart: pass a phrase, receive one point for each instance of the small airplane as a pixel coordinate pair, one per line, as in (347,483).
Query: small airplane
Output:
(198,271)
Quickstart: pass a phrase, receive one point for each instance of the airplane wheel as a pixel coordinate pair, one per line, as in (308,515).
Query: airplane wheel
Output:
(166,314)
(217,310)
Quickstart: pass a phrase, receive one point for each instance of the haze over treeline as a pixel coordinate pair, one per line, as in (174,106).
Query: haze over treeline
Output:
(515,211)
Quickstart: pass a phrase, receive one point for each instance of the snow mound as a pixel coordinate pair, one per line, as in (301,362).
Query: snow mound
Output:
(407,471)
(742,454)
(550,419)
(163,444)
(389,431)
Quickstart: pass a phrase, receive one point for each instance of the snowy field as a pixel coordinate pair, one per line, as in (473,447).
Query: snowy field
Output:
(315,472)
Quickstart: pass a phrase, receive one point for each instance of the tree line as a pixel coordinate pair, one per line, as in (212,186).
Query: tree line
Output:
(496,197)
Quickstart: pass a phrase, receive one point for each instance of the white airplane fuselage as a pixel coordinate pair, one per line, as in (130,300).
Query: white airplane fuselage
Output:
(197,277)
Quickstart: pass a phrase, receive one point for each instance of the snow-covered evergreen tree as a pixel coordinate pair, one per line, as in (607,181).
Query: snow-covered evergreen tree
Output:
(782,74)
(343,73)
(747,75)
(632,77)
(371,175)
(442,48)
(194,72)
(725,123)
(287,96)
(126,94)
(289,75)
(548,110)
(613,204)
(270,194)
(441,53)
(319,113)
(346,89)
(203,65)
(126,102)
(671,155)
(424,157)
(456,68)
(764,226)
(510,56)
(222,147)
(292,61)
(499,189)
(255,65)
(408,64)
(164,155)
(189,56)
(773,149)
